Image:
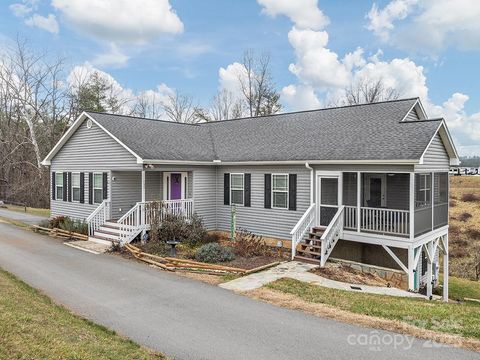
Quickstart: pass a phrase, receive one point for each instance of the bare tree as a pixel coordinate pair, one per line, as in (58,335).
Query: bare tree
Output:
(181,108)
(224,106)
(257,86)
(369,91)
(148,105)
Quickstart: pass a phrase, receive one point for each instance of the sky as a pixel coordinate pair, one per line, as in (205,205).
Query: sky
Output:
(422,48)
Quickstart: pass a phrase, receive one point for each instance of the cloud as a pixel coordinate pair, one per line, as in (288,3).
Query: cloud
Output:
(121,21)
(114,57)
(300,97)
(48,23)
(228,78)
(304,13)
(442,23)
(22,9)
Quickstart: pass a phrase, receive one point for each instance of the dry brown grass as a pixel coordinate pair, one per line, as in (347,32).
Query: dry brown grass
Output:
(345,273)
(321,310)
(464,225)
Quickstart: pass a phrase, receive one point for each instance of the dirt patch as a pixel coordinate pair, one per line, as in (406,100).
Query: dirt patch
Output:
(206,278)
(251,262)
(321,310)
(345,273)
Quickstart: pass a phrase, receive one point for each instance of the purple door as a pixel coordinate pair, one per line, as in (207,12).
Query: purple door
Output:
(176,186)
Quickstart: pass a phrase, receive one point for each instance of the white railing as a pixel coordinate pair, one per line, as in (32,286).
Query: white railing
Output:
(98,217)
(385,221)
(350,221)
(332,234)
(139,217)
(303,225)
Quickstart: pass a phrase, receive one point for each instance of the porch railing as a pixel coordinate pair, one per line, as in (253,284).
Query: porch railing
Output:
(332,234)
(303,225)
(350,222)
(140,217)
(98,217)
(385,221)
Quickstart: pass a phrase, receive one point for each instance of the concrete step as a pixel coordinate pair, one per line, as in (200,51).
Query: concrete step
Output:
(105,235)
(100,240)
(307,260)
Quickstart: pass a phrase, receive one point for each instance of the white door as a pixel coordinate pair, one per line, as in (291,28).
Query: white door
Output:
(328,198)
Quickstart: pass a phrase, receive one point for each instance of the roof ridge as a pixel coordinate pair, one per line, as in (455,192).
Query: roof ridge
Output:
(140,118)
(311,110)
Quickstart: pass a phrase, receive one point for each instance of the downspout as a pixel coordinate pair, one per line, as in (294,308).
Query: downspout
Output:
(311,182)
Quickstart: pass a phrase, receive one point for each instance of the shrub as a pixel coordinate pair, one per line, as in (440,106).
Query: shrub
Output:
(44,223)
(247,244)
(469,197)
(56,221)
(452,203)
(464,216)
(214,252)
(68,224)
(473,233)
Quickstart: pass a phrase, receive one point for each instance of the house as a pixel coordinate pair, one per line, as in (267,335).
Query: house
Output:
(368,183)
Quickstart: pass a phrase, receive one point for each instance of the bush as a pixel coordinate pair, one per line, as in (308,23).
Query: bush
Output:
(464,216)
(56,221)
(214,252)
(469,197)
(247,244)
(68,224)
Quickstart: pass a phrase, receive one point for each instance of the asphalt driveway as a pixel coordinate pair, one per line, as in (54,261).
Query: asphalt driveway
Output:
(22,216)
(189,319)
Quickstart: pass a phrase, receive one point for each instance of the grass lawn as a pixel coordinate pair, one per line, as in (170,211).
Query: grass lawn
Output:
(462,288)
(33,211)
(459,319)
(33,327)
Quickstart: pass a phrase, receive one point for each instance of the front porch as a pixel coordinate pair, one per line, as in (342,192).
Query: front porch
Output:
(400,212)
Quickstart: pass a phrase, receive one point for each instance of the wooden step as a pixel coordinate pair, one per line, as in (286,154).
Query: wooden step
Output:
(309,252)
(307,260)
(108,231)
(313,235)
(310,246)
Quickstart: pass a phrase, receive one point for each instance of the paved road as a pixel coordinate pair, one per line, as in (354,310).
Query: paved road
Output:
(22,216)
(185,318)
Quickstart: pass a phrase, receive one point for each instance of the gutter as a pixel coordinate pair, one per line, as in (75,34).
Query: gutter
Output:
(307,165)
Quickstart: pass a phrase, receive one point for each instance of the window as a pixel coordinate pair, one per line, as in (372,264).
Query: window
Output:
(236,189)
(423,190)
(75,187)
(280,191)
(59,186)
(97,188)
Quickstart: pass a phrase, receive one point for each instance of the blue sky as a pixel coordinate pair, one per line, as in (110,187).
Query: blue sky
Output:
(425,48)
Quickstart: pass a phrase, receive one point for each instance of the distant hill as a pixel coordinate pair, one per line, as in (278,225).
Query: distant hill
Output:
(470,161)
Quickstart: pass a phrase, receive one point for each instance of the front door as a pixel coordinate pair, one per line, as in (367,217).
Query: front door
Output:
(375,188)
(175,186)
(375,192)
(327,198)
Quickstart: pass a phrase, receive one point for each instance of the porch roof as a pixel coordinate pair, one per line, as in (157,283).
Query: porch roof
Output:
(361,132)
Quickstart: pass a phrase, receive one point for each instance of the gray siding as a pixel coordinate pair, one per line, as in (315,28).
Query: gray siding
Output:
(204,194)
(126,191)
(436,157)
(412,115)
(275,223)
(153,185)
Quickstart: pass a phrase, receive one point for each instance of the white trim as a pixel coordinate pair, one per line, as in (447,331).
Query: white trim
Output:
(56,186)
(167,189)
(283,162)
(79,188)
(448,144)
(394,257)
(332,175)
(93,187)
(282,191)
(237,189)
(76,124)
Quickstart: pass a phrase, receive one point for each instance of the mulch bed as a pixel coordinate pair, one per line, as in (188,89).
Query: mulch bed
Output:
(252,262)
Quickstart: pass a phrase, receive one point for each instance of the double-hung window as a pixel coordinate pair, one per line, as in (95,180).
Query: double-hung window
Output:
(424,190)
(59,186)
(97,188)
(280,191)
(237,189)
(75,187)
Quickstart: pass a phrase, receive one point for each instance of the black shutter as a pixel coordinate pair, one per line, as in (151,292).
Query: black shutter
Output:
(292,192)
(105,186)
(268,191)
(82,188)
(53,186)
(226,189)
(90,188)
(69,187)
(65,184)
(247,193)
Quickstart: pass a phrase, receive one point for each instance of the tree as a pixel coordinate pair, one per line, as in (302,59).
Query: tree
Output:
(369,91)
(180,108)
(257,86)
(223,106)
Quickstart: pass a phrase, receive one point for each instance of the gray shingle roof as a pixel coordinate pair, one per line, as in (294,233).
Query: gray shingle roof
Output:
(361,132)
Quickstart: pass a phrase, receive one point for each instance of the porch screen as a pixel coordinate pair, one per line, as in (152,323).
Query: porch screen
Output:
(423,203)
(350,188)
(328,200)
(440,200)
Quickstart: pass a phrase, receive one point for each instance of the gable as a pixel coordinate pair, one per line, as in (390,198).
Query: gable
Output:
(436,156)
(92,149)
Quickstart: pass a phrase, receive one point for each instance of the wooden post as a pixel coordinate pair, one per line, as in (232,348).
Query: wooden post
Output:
(445,269)
(430,258)
(143,201)
(359,198)
(411,274)
(412,206)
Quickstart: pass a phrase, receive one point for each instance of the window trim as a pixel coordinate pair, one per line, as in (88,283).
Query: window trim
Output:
(423,188)
(76,187)
(96,188)
(282,191)
(237,189)
(57,174)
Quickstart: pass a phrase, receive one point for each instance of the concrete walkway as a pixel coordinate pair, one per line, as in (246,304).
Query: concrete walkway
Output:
(22,216)
(299,271)
(188,319)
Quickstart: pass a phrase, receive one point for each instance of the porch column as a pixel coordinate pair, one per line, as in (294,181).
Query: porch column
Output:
(359,198)
(445,268)
(143,200)
(412,206)
(430,258)
(411,268)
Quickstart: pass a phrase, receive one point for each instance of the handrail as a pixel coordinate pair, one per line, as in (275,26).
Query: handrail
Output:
(332,234)
(98,217)
(299,230)
(385,221)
